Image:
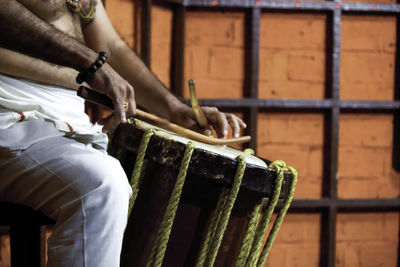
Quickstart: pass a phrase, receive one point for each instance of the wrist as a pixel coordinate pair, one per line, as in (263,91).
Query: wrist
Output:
(76,55)
(86,75)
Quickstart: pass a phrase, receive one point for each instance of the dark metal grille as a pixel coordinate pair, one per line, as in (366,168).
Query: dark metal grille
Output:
(329,205)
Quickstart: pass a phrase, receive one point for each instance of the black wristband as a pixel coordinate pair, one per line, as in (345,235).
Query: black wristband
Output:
(85,75)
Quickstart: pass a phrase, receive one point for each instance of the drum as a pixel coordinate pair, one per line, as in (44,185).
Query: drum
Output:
(210,171)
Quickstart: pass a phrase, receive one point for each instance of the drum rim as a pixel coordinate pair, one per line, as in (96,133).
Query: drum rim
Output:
(257,179)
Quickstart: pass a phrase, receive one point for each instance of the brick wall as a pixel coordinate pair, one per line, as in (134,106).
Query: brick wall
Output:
(297,139)
(366,142)
(368,46)
(214,54)
(365,157)
(292,65)
(367,239)
(292,58)
(297,243)
(161,28)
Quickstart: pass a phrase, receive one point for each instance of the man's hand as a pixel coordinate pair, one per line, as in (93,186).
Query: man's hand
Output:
(220,121)
(110,83)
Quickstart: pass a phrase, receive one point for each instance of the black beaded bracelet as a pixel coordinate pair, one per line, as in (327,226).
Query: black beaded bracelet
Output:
(85,75)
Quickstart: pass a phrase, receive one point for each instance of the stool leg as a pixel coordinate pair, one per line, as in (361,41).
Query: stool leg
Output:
(25,245)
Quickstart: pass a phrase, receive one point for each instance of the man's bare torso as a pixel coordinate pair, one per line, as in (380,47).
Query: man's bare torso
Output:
(57,13)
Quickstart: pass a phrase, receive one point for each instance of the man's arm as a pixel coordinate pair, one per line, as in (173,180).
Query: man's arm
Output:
(23,31)
(150,92)
(22,66)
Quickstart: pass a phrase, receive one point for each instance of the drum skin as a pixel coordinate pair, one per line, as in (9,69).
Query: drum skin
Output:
(208,172)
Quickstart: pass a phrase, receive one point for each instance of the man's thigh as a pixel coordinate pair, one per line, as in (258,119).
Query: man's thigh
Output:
(55,171)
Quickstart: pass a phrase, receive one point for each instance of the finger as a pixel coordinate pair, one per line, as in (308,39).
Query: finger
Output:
(131,108)
(241,122)
(118,101)
(222,127)
(218,120)
(130,98)
(234,123)
(119,110)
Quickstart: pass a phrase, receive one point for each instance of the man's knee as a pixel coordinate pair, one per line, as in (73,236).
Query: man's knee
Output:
(115,186)
(98,172)
(101,185)
(112,183)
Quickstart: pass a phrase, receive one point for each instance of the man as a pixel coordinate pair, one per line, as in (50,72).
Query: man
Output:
(51,157)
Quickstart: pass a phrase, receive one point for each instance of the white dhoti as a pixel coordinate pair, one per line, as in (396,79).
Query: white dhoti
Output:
(63,175)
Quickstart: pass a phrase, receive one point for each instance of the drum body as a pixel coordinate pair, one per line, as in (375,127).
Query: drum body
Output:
(211,169)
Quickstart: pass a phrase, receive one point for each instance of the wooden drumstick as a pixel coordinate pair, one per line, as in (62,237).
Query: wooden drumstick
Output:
(198,112)
(105,101)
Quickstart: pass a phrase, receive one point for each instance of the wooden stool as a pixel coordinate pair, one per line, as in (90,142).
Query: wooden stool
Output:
(25,234)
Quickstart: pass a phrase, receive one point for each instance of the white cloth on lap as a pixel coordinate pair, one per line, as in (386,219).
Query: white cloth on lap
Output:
(26,100)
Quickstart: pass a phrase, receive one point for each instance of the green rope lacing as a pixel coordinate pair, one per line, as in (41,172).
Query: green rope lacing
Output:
(254,235)
(249,235)
(215,218)
(137,170)
(220,218)
(157,254)
(279,219)
(226,213)
(263,225)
